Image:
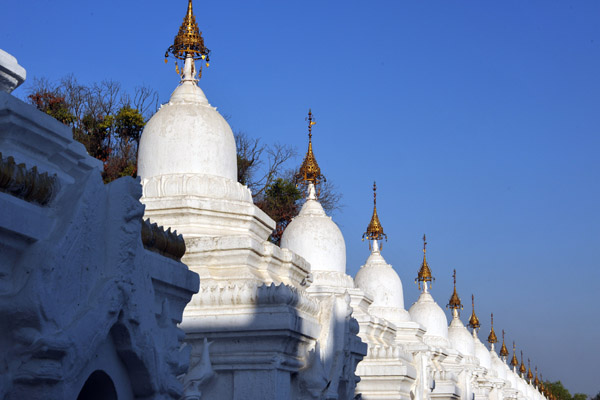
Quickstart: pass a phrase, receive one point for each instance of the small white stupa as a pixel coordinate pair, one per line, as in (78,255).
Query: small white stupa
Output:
(313,234)
(377,278)
(426,311)
(458,334)
(481,352)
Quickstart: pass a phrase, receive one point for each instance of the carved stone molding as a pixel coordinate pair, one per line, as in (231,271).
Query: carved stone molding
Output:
(167,243)
(250,293)
(27,184)
(210,186)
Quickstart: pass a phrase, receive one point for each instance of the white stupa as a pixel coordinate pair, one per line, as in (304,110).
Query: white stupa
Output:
(481,352)
(459,336)
(426,311)
(378,279)
(312,234)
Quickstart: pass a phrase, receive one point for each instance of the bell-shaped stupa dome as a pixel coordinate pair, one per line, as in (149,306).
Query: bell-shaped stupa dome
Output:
(426,311)
(312,234)
(378,279)
(459,336)
(187,135)
(481,352)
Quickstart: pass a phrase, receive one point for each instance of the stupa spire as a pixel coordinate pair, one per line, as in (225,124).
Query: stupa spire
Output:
(529,374)
(522,368)
(454,304)
(309,172)
(536,381)
(514,362)
(492,339)
(474,321)
(374,231)
(424,274)
(503,349)
(189,44)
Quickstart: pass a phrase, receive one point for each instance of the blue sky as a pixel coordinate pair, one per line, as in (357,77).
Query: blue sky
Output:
(479,120)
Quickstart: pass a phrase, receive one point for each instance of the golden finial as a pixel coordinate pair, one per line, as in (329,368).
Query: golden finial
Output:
(536,381)
(424,274)
(492,337)
(542,387)
(529,374)
(374,230)
(503,349)
(454,303)
(522,368)
(189,40)
(309,170)
(473,321)
(514,362)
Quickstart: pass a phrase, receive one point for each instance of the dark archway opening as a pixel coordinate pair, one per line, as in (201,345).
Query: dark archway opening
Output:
(98,386)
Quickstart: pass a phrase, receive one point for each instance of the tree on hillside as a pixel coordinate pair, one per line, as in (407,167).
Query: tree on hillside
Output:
(104,118)
(596,397)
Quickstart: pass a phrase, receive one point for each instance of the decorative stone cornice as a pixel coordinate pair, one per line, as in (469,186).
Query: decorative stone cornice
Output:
(27,184)
(209,186)
(167,243)
(251,293)
(12,75)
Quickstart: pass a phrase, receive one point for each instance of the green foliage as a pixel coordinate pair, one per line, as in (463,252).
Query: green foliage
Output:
(280,202)
(103,119)
(129,123)
(561,393)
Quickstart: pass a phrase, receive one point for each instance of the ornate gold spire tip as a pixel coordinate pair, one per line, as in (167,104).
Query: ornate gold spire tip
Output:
(424,274)
(374,230)
(514,362)
(473,321)
(529,374)
(503,349)
(189,40)
(309,171)
(522,368)
(536,381)
(492,337)
(454,303)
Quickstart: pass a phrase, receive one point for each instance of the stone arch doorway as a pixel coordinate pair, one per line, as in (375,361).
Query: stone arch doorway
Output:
(98,386)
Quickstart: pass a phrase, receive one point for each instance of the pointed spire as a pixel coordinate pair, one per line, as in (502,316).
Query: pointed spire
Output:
(424,274)
(473,321)
(514,362)
(309,171)
(522,368)
(374,230)
(454,303)
(492,337)
(503,349)
(189,41)
(536,381)
(529,374)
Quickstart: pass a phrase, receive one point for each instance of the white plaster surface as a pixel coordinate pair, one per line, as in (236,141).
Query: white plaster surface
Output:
(12,75)
(427,313)
(315,237)
(460,338)
(187,136)
(78,291)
